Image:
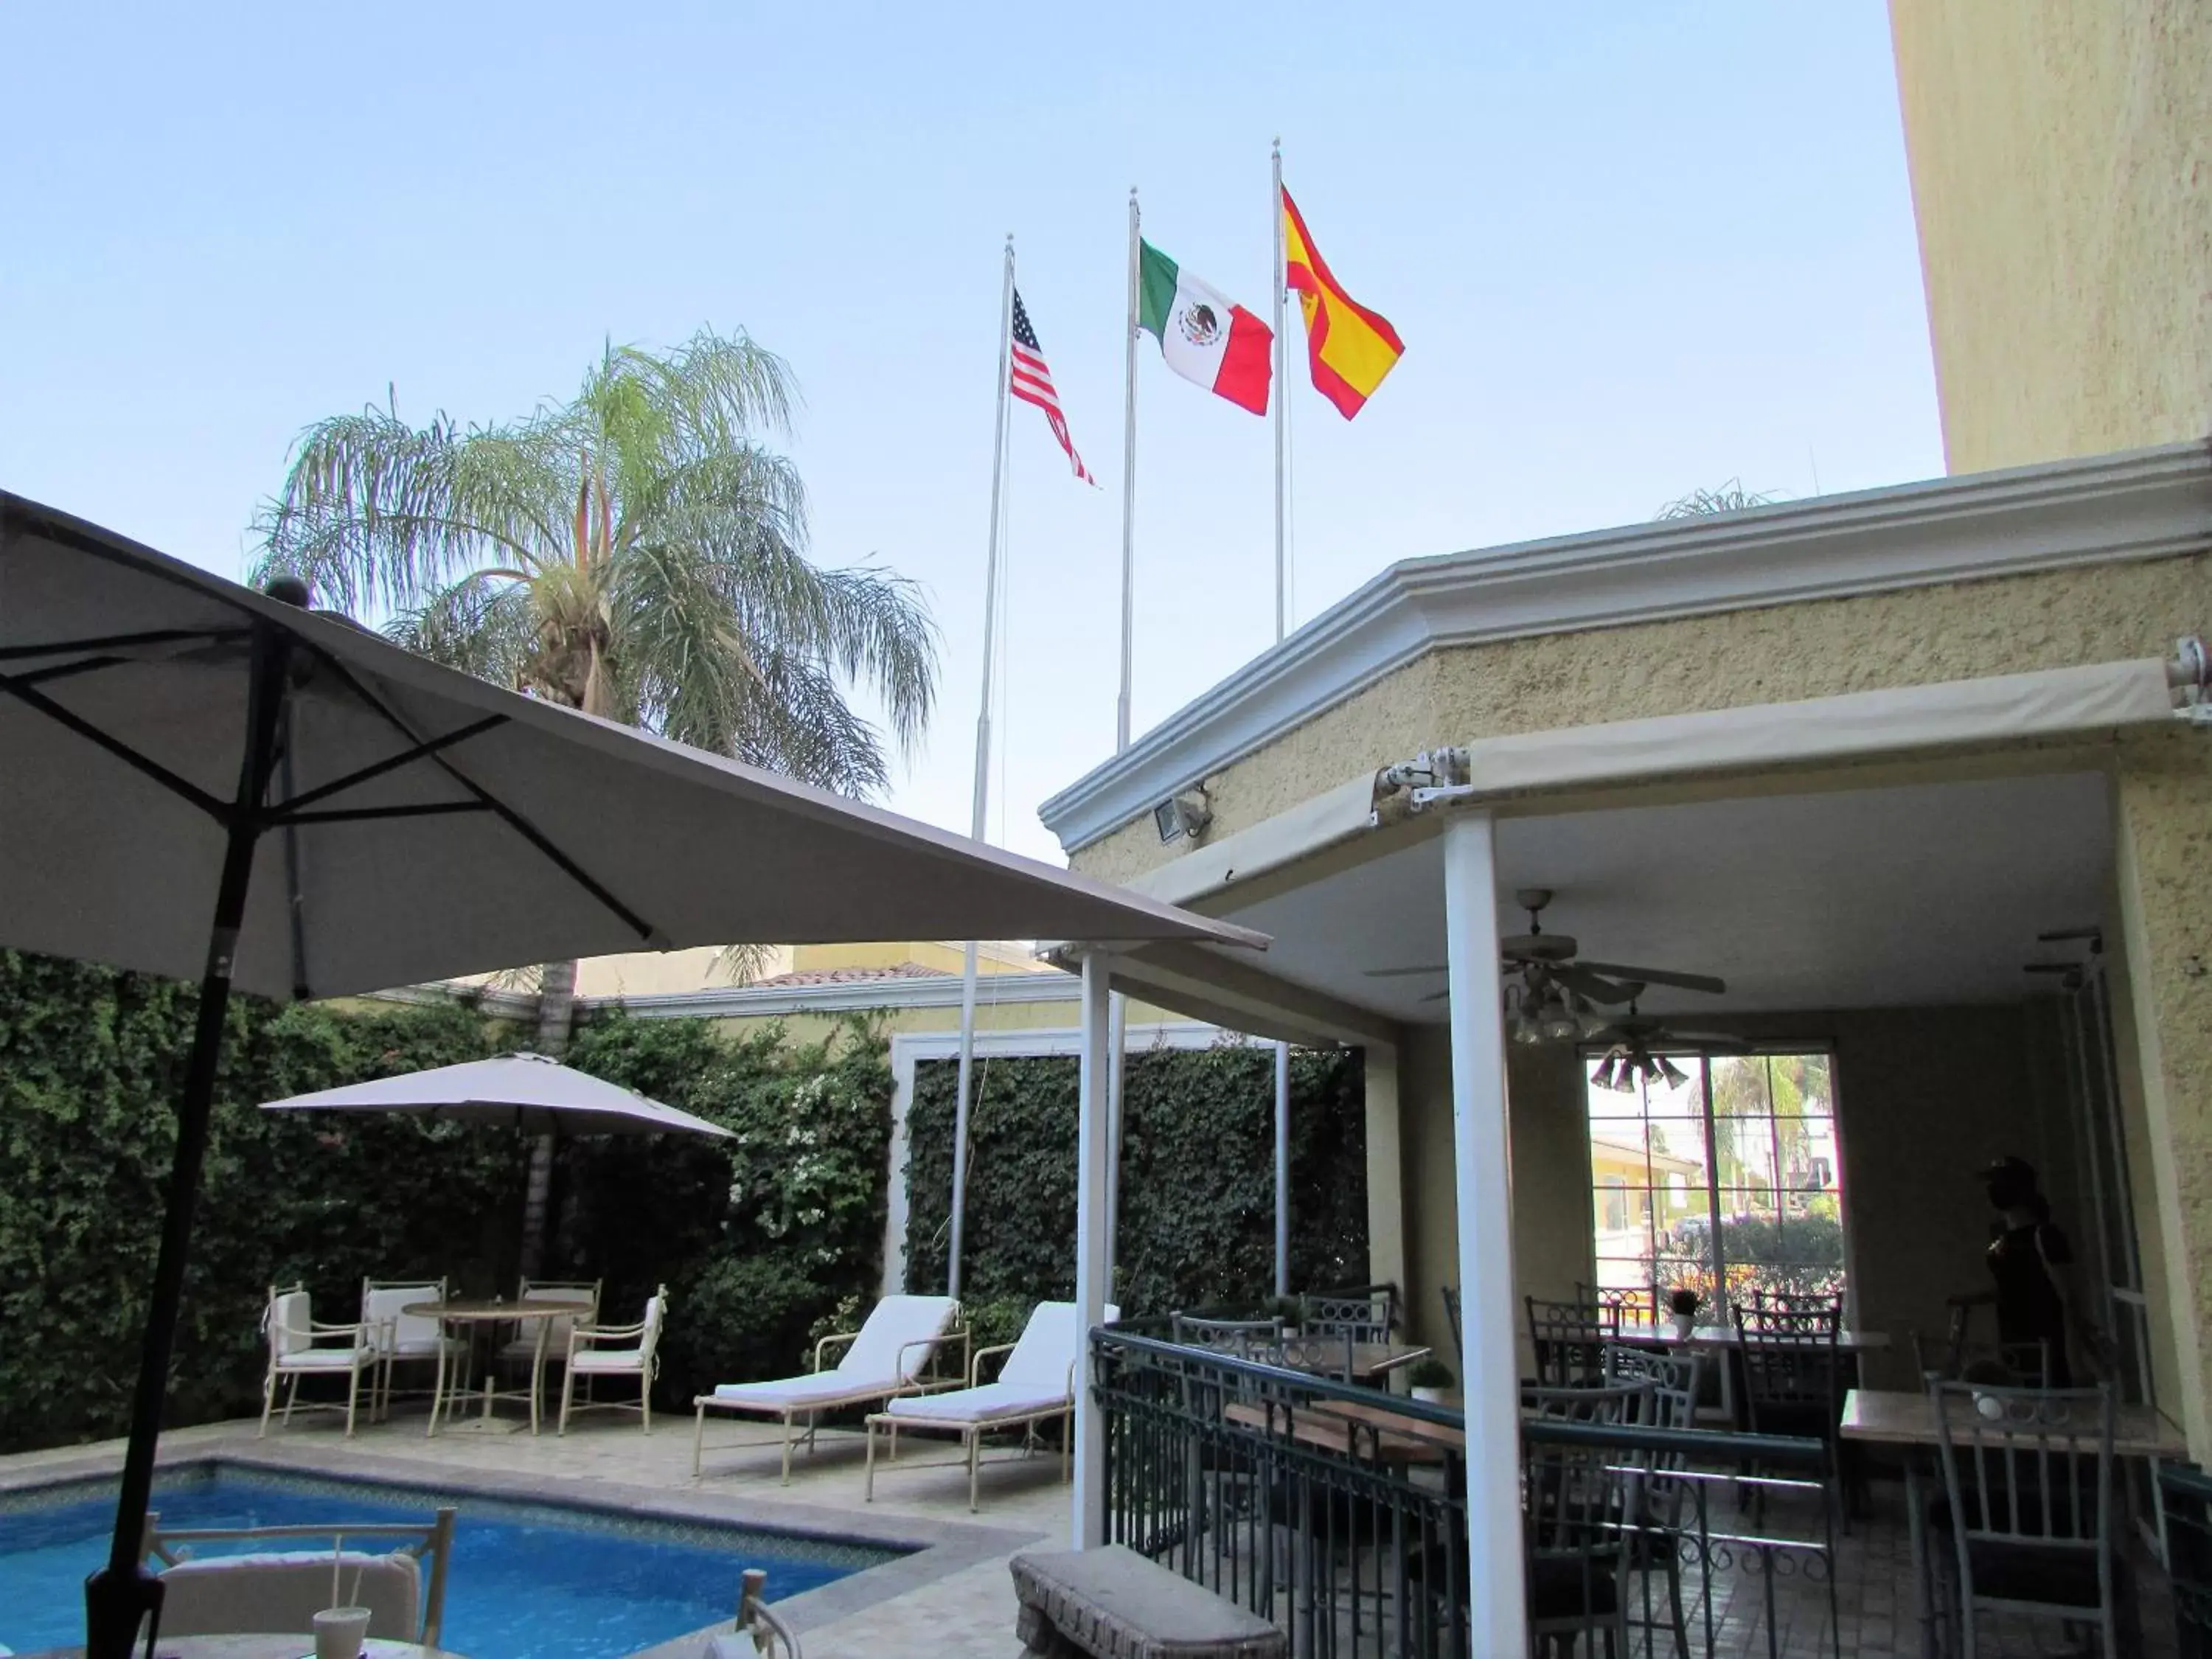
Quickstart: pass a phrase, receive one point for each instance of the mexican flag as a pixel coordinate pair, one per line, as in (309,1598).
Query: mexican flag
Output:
(1203,334)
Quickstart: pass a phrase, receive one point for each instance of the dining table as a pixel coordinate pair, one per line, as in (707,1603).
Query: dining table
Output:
(1725,1340)
(1905,1418)
(1370,1361)
(479,1318)
(1351,1428)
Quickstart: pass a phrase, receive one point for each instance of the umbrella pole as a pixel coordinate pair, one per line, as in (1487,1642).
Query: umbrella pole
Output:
(122,1596)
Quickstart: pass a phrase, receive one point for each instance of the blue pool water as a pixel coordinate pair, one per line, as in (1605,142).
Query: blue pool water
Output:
(527,1581)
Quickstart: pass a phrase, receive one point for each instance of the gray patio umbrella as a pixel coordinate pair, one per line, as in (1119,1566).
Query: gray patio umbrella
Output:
(529,1092)
(159,724)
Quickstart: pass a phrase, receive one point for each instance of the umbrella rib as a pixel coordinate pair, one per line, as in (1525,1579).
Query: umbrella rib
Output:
(514,820)
(323,791)
(427,809)
(111,642)
(218,810)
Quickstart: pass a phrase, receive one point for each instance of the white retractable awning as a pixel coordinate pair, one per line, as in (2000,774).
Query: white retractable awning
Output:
(1974,714)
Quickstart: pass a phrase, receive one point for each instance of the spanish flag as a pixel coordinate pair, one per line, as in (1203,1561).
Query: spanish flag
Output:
(1351,348)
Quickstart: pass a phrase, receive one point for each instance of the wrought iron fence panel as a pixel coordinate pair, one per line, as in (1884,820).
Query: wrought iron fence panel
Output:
(1350,1534)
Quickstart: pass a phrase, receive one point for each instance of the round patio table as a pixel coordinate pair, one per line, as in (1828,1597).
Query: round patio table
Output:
(260,1647)
(481,1317)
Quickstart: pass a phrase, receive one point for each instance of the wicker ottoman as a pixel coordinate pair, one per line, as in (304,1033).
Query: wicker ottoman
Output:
(1115,1604)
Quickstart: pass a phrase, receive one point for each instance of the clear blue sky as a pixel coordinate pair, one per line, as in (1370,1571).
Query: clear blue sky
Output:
(1633,249)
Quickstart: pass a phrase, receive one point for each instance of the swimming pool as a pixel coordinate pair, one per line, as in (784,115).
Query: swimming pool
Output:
(528,1580)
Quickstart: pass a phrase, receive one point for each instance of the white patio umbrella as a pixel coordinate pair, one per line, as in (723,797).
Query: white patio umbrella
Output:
(158,725)
(529,1092)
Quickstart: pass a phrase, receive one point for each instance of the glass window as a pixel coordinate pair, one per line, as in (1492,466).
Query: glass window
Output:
(1731,1177)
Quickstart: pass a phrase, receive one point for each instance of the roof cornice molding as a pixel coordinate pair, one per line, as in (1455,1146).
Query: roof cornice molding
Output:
(765,1002)
(770,1002)
(2142,504)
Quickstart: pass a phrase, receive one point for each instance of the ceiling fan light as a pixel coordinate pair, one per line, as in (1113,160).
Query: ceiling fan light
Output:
(1525,1031)
(1560,1026)
(1623,1075)
(1603,1077)
(1675,1076)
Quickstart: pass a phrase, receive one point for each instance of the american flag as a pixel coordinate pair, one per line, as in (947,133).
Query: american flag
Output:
(1031,381)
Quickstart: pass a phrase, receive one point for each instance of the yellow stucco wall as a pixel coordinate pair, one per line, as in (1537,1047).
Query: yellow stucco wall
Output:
(2051,619)
(2061,155)
(2164,814)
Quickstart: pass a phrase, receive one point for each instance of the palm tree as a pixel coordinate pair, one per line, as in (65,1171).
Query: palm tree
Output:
(1730,497)
(638,553)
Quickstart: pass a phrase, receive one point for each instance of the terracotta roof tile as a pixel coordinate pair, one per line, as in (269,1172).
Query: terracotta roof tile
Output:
(847,975)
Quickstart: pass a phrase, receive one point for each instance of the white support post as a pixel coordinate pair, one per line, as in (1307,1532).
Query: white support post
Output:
(1485,1190)
(1094,1149)
(1282,1170)
(1117,1064)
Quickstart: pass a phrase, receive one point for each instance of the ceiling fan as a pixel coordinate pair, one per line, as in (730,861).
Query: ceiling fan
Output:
(1550,988)
(1632,1053)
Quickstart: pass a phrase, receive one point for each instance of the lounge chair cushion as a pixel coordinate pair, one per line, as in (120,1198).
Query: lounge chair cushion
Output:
(608,1359)
(411,1334)
(324,1359)
(891,1324)
(278,1593)
(990,1402)
(1049,1344)
(798,1393)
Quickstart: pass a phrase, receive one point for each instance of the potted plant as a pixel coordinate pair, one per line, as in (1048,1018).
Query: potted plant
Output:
(1429,1380)
(1683,1302)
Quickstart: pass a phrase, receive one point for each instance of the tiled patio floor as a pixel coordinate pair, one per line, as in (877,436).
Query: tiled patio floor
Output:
(955,1598)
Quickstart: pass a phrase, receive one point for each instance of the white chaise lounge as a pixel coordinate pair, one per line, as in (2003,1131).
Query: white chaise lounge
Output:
(886,1358)
(1036,1384)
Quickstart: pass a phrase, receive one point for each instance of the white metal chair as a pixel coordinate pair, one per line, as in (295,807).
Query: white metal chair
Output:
(2028,1506)
(279,1591)
(524,1348)
(296,1350)
(401,1338)
(584,1357)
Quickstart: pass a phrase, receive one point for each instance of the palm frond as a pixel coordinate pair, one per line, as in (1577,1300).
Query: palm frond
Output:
(638,550)
(378,515)
(482,624)
(1730,497)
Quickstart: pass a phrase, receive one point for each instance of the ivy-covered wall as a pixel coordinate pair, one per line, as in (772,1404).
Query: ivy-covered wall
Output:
(759,1238)
(763,1239)
(1198,1185)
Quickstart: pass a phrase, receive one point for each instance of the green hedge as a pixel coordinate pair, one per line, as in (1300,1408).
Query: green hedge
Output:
(90,1063)
(1197,1226)
(759,1238)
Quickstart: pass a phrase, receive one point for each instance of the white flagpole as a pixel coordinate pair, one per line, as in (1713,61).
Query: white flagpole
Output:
(1282,397)
(978,820)
(1282,393)
(1117,1016)
(1128,487)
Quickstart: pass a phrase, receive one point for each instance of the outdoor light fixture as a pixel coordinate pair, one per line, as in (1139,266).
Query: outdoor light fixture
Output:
(1186,812)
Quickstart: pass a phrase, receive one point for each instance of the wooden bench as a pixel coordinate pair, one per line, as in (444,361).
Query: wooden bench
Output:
(1115,1604)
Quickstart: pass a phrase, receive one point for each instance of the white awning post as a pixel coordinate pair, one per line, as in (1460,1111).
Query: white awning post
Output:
(1093,1151)
(1485,1190)
(1117,1067)
(1282,1169)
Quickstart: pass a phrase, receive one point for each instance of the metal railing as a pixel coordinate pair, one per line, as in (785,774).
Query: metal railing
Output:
(1270,1488)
